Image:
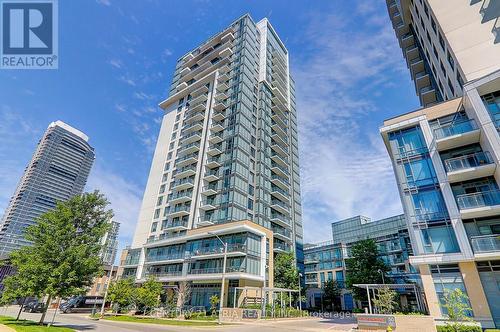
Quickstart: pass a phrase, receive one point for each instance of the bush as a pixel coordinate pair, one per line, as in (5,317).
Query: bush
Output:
(188,314)
(358,311)
(410,313)
(492,330)
(458,328)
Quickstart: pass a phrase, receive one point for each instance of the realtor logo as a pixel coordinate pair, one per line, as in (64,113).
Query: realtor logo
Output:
(28,34)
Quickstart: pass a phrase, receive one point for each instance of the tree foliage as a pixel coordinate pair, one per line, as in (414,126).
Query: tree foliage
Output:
(64,256)
(148,295)
(456,304)
(122,292)
(214,303)
(331,292)
(286,274)
(364,267)
(385,300)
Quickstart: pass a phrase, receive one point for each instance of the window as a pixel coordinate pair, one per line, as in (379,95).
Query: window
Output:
(169,155)
(429,37)
(181,101)
(159,201)
(153,227)
(426,9)
(450,85)
(442,68)
(330,275)
(451,61)
(441,41)
(435,51)
(167,166)
(162,188)
(157,213)
(433,24)
(460,80)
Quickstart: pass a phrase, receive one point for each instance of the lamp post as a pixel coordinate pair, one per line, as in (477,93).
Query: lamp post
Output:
(223,275)
(106,292)
(300,297)
(382,273)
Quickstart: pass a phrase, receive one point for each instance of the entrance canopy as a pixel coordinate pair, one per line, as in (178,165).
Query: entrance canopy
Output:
(372,287)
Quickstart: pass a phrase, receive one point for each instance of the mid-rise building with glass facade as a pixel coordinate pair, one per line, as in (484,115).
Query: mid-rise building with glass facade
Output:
(446,161)
(227,151)
(326,261)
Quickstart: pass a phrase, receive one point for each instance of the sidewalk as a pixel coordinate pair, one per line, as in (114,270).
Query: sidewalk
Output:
(5,328)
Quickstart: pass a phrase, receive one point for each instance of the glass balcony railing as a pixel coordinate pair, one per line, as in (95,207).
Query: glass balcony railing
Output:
(206,270)
(455,128)
(479,199)
(165,257)
(282,246)
(183,181)
(468,161)
(485,243)
(159,274)
(280,217)
(234,247)
(282,231)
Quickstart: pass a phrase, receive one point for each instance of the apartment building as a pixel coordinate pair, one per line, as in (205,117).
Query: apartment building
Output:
(109,243)
(57,171)
(446,161)
(326,261)
(446,43)
(227,153)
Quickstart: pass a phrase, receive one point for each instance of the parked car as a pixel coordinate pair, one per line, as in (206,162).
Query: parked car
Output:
(34,306)
(82,304)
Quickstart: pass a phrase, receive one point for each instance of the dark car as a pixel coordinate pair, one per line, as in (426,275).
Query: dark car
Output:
(34,306)
(82,304)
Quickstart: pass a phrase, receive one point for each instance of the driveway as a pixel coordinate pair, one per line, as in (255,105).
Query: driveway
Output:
(81,322)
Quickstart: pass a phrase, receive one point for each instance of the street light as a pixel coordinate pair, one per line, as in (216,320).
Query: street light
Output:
(382,273)
(300,297)
(223,274)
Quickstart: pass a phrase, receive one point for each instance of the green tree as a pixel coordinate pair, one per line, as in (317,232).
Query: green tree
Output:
(286,274)
(364,267)
(214,303)
(331,292)
(122,292)
(148,295)
(64,257)
(385,300)
(456,304)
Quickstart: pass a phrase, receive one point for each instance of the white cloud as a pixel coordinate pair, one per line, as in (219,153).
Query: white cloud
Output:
(128,80)
(124,196)
(115,63)
(345,169)
(104,2)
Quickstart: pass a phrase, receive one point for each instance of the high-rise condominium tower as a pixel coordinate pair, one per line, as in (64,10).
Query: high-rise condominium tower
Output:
(57,171)
(446,43)
(110,243)
(446,156)
(227,152)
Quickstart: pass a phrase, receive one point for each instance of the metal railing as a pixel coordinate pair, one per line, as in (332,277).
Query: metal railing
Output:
(455,128)
(165,257)
(468,161)
(235,247)
(163,274)
(206,271)
(479,199)
(485,243)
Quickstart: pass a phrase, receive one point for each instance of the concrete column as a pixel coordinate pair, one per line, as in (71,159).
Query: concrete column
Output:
(477,298)
(430,291)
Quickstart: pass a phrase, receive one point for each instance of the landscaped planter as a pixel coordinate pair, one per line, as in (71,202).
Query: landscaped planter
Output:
(398,323)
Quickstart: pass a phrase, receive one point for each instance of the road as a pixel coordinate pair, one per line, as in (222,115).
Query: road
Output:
(81,322)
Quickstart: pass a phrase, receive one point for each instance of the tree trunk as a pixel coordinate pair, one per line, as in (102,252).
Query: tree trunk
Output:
(47,303)
(21,309)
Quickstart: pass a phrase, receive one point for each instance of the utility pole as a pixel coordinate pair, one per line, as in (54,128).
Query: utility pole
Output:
(223,276)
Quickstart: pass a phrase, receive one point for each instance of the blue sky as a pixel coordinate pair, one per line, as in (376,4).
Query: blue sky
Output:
(116,59)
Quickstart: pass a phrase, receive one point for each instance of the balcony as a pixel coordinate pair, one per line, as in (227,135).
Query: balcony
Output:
(428,95)
(194,116)
(220,106)
(212,270)
(280,193)
(217,126)
(189,148)
(163,274)
(206,220)
(186,160)
(416,65)
(485,243)
(199,91)
(219,116)
(282,233)
(185,172)
(209,204)
(280,170)
(190,127)
(280,219)
(212,175)
(183,184)
(211,189)
(280,206)
(468,167)
(480,204)
(178,225)
(281,247)
(233,249)
(422,80)
(216,138)
(280,149)
(166,257)
(180,197)
(191,137)
(280,181)
(279,159)
(456,134)
(214,162)
(214,150)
